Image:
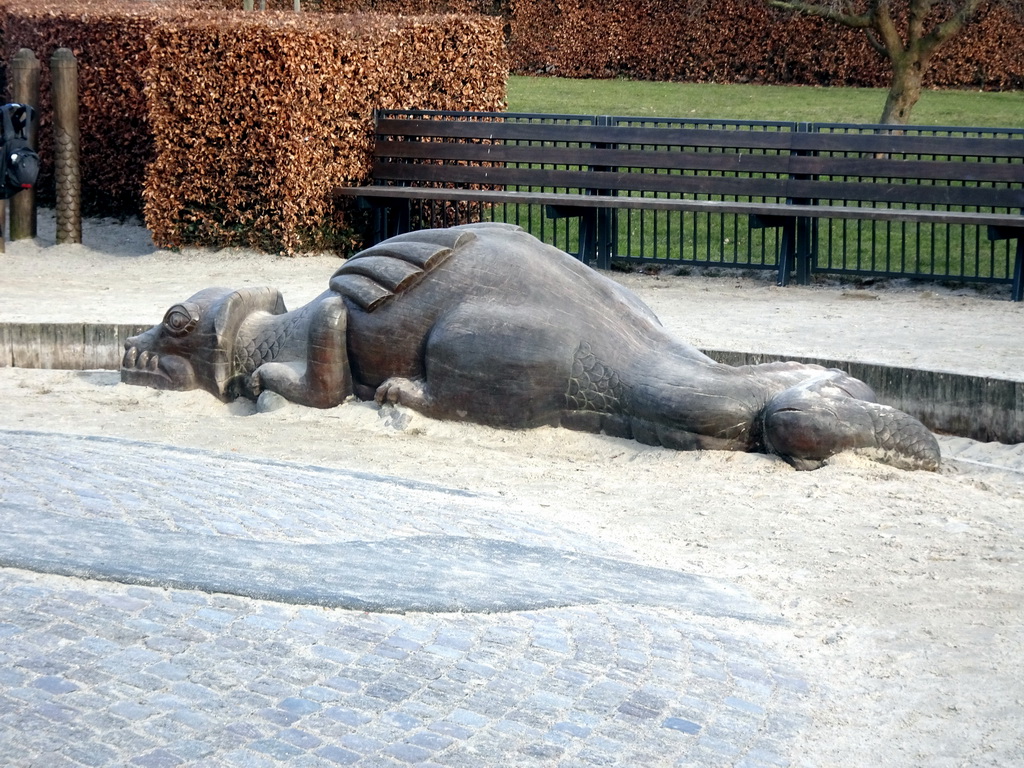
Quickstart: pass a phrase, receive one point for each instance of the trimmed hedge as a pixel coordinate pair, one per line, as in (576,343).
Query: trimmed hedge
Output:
(730,41)
(724,41)
(277,110)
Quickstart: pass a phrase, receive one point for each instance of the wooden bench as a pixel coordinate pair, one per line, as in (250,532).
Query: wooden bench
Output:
(780,178)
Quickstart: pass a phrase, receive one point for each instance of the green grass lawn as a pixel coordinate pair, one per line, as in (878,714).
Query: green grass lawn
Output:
(755,102)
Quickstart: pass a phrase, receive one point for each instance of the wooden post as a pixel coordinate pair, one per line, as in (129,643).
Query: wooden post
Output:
(66,146)
(247,5)
(25,90)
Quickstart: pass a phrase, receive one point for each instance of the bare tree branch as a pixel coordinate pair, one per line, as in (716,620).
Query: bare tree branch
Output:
(885,26)
(875,43)
(858,21)
(954,23)
(918,12)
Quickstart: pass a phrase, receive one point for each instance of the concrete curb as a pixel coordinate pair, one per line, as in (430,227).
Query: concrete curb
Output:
(977,407)
(66,346)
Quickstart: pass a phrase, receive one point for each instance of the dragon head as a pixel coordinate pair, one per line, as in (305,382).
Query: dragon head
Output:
(193,347)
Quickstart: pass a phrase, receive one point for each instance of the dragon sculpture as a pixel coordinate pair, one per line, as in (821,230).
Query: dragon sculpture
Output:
(485,323)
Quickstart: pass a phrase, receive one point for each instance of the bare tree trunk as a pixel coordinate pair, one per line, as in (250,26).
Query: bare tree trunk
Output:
(904,90)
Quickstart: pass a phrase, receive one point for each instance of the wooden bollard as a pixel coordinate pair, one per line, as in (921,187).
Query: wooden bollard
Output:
(66,146)
(25,90)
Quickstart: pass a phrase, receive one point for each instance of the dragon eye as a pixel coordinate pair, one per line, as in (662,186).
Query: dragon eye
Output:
(180,319)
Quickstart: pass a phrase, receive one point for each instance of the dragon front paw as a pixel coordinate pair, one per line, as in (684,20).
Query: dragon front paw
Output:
(401,391)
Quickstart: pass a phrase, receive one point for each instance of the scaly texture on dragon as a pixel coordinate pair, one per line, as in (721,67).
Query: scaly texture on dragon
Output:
(485,323)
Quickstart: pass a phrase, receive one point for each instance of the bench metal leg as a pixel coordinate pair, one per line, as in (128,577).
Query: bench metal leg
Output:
(605,237)
(804,250)
(1017,291)
(380,223)
(589,234)
(390,218)
(1009,233)
(402,221)
(796,246)
(787,248)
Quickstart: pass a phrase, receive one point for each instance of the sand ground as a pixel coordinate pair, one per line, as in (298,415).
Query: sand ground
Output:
(902,592)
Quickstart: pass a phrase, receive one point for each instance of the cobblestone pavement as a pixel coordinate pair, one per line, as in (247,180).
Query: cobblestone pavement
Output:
(114,652)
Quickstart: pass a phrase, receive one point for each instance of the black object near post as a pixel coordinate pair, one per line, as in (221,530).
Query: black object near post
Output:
(19,163)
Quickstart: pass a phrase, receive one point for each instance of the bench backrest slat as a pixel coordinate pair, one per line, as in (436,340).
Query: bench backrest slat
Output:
(902,144)
(584,156)
(581,180)
(729,162)
(770,187)
(786,141)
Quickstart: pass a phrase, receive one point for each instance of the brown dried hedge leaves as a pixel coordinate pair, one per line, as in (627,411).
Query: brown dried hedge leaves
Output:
(276,111)
(731,41)
(725,41)
(231,128)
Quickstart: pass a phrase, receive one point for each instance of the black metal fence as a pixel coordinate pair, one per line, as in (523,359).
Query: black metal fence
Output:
(866,248)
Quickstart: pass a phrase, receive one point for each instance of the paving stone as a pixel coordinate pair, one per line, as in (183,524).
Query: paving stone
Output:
(278,716)
(681,724)
(339,756)
(131,710)
(362,744)
(402,720)
(347,716)
(299,738)
(53,684)
(158,758)
(407,753)
(451,729)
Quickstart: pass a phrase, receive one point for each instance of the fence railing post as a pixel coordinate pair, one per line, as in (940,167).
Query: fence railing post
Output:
(805,228)
(607,218)
(25,90)
(66,146)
